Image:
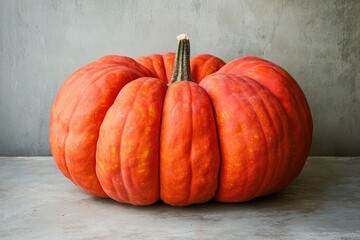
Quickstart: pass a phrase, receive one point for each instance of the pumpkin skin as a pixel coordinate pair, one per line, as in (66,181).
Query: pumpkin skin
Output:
(127,157)
(189,154)
(78,111)
(237,131)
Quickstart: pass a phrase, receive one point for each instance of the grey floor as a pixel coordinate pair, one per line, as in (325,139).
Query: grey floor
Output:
(37,202)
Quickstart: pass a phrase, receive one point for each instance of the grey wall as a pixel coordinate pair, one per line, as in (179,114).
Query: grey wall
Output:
(44,41)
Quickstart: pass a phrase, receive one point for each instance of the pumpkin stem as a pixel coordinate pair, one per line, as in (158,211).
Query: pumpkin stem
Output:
(182,60)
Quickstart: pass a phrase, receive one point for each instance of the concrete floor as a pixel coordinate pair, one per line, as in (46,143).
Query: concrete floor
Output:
(37,202)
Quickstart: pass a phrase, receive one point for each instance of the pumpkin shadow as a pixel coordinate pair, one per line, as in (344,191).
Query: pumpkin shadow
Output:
(305,195)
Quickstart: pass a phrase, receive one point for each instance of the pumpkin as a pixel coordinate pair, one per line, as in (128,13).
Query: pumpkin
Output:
(180,130)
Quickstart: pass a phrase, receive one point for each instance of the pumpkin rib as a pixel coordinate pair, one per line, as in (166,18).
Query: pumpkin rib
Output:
(277,163)
(300,111)
(126,184)
(246,155)
(125,188)
(292,85)
(147,63)
(114,184)
(164,78)
(71,117)
(188,147)
(294,90)
(297,95)
(283,137)
(299,105)
(87,68)
(215,162)
(290,163)
(60,160)
(299,120)
(165,65)
(266,160)
(78,180)
(280,141)
(72,83)
(292,140)
(209,84)
(304,107)
(279,157)
(190,144)
(127,197)
(269,119)
(251,107)
(128,166)
(215,158)
(165,71)
(168,59)
(203,65)
(155,65)
(126,62)
(94,65)
(250,84)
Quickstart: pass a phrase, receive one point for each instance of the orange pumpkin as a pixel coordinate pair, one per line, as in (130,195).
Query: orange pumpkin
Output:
(148,129)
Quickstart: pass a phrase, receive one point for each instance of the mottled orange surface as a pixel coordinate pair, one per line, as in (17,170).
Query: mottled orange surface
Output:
(189,153)
(239,131)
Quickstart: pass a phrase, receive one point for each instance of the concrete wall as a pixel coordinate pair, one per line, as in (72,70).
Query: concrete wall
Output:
(43,41)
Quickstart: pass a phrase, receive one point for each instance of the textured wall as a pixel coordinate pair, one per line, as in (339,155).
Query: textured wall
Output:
(44,41)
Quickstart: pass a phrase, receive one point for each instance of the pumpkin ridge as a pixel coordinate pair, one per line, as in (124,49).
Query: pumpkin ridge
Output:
(299,107)
(211,59)
(164,67)
(128,196)
(144,61)
(225,88)
(122,70)
(143,85)
(126,62)
(291,138)
(128,146)
(300,119)
(72,115)
(246,160)
(168,59)
(153,64)
(279,141)
(89,67)
(300,113)
(262,188)
(266,160)
(293,88)
(260,126)
(304,107)
(279,111)
(190,143)
(296,91)
(190,148)
(203,65)
(161,65)
(55,107)
(286,155)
